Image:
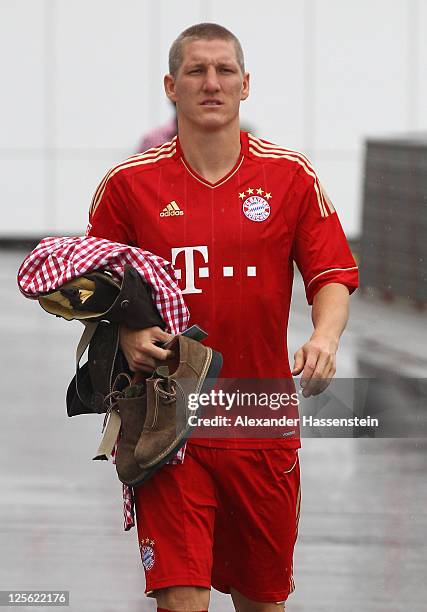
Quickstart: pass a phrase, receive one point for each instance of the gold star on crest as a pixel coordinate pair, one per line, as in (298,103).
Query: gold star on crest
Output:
(151,542)
(260,191)
(250,191)
(267,196)
(242,195)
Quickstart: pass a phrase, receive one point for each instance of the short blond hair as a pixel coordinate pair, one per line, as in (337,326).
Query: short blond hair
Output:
(204,31)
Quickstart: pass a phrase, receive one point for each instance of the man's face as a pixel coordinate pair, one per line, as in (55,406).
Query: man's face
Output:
(209,84)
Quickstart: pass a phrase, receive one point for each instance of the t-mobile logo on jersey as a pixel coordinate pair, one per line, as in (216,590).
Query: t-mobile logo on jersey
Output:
(203,271)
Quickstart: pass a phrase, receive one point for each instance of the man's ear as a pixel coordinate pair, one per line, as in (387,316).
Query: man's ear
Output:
(169,84)
(245,86)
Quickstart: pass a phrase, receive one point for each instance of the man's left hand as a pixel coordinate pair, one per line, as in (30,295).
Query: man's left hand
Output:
(316,360)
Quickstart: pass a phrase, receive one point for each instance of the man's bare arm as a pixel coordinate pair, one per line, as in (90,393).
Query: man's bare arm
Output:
(316,358)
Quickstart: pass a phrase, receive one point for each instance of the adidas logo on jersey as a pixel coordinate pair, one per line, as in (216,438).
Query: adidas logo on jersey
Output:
(171,210)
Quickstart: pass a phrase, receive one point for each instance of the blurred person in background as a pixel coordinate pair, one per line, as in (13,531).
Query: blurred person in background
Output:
(159,135)
(233,212)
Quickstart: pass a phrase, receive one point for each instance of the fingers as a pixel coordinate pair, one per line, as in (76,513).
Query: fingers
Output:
(141,363)
(309,368)
(317,364)
(140,350)
(145,358)
(298,362)
(317,373)
(163,336)
(316,386)
(156,352)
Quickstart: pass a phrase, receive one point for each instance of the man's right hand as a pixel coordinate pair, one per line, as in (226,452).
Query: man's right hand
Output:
(140,350)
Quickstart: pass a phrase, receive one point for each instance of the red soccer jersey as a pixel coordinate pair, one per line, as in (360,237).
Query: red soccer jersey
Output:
(232,243)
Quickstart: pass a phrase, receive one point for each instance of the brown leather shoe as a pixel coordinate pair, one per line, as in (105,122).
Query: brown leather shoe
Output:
(194,370)
(131,405)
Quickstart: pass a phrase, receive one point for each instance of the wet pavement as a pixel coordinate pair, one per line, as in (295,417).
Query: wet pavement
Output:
(362,540)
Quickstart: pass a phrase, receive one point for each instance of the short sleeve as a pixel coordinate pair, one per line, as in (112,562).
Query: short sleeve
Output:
(109,212)
(320,248)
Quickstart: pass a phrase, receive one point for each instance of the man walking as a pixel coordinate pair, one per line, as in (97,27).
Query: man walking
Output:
(232,212)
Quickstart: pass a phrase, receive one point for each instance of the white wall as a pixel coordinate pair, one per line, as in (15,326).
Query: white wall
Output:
(82,81)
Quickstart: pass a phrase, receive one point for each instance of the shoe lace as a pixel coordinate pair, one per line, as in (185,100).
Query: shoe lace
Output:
(168,395)
(110,400)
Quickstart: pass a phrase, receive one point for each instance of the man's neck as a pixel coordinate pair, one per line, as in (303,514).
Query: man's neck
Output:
(211,154)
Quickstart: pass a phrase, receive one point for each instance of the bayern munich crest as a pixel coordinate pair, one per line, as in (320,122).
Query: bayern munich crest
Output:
(147,554)
(256,206)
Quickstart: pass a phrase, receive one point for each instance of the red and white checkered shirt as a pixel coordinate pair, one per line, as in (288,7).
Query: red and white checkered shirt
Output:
(57,260)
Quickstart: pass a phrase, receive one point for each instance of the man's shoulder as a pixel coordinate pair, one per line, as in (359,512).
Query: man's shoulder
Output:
(264,151)
(151,159)
(120,174)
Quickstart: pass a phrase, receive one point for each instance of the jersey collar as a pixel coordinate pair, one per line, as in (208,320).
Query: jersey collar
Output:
(243,151)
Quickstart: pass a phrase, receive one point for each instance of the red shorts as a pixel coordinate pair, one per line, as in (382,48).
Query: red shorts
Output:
(223,518)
